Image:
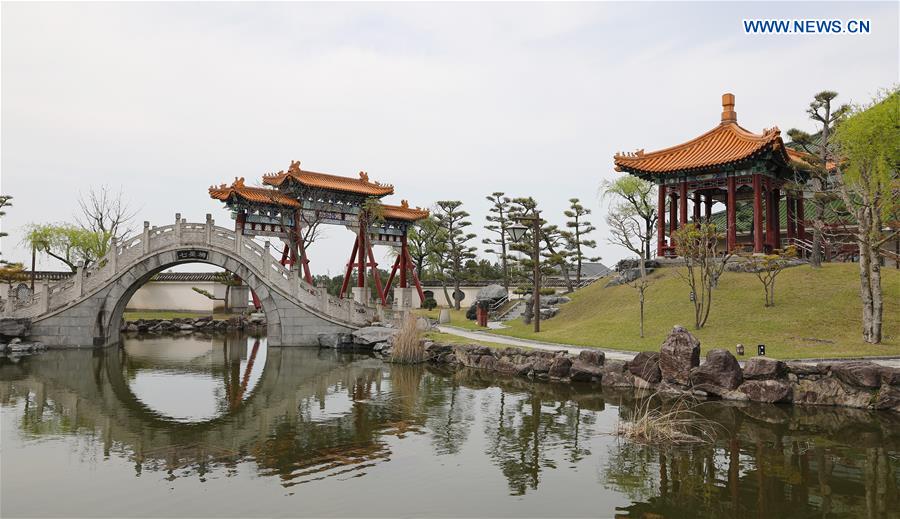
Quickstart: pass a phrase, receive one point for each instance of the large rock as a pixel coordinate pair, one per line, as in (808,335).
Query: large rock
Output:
(559,367)
(888,398)
(721,372)
(373,334)
(768,390)
(679,354)
(592,357)
(15,327)
(761,368)
(830,391)
(646,366)
(615,374)
(491,293)
(582,371)
(858,374)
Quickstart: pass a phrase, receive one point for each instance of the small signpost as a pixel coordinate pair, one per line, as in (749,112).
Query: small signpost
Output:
(761,350)
(192,254)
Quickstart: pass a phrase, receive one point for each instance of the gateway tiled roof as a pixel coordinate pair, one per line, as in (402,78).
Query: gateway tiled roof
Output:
(725,144)
(404,212)
(251,194)
(360,185)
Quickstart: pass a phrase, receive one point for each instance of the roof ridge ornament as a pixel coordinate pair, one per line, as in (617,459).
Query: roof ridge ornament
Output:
(728,113)
(363,176)
(295,167)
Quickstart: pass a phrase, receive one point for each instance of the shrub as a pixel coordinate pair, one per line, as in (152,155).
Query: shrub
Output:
(429,303)
(407,347)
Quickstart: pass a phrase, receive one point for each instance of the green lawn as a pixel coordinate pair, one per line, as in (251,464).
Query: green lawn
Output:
(163,314)
(457,318)
(817,314)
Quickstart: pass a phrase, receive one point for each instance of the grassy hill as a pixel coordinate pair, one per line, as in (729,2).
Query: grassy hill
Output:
(817,313)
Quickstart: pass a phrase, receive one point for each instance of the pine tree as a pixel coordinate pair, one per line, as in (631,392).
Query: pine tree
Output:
(498,218)
(579,227)
(453,221)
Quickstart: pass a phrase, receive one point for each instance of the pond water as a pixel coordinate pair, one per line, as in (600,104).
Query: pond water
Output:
(224,427)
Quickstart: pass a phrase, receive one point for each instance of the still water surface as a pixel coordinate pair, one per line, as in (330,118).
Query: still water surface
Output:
(216,427)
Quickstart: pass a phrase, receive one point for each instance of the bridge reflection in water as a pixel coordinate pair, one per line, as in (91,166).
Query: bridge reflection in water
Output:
(295,415)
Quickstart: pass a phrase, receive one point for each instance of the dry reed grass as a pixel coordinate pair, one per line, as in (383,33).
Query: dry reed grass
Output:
(407,347)
(674,424)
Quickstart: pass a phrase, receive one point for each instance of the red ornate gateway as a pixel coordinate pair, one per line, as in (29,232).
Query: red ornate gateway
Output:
(299,200)
(730,165)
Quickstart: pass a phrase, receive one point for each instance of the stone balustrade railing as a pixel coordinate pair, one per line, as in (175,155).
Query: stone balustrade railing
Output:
(153,240)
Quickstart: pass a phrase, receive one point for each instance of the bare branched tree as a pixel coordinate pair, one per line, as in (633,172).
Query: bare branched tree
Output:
(625,230)
(106,214)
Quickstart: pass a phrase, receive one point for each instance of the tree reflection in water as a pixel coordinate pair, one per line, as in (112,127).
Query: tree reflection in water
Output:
(318,414)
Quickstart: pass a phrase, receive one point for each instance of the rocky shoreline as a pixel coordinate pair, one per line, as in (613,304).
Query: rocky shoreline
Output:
(254,323)
(676,370)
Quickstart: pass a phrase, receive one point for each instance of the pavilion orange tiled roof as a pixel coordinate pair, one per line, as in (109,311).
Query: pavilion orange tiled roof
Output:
(261,195)
(360,185)
(404,212)
(725,144)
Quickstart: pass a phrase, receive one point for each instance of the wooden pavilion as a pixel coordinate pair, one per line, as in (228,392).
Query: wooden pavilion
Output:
(298,199)
(729,165)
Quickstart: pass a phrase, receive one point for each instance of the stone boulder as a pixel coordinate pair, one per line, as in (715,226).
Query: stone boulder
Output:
(592,357)
(720,371)
(806,371)
(491,293)
(768,390)
(560,367)
(761,368)
(646,366)
(858,373)
(888,398)
(372,334)
(615,374)
(679,354)
(830,391)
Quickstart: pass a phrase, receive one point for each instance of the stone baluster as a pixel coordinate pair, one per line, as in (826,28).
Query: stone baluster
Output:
(237,242)
(210,224)
(45,297)
(323,296)
(178,227)
(113,255)
(267,260)
(79,279)
(145,238)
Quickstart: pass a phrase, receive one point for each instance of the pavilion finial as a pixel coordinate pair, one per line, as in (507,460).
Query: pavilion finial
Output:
(728,113)
(295,167)
(363,176)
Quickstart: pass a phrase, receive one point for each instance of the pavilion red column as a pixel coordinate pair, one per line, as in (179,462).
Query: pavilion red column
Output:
(791,219)
(770,215)
(673,214)
(776,218)
(682,204)
(361,257)
(707,207)
(696,206)
(404,252)
(758,245)
(661,222)
(801,217)
(731,215)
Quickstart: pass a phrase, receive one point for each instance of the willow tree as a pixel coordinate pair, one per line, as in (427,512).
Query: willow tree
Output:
(868,144)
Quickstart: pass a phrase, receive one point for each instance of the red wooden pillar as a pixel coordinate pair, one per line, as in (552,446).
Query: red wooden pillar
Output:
(707,207)
(661,222)
(673,214)
(697,206)
(349,270)
(682,204)
(284,255)
(770,216)
(776,218)
(791,219)
(758,245)
(731,214)
(239,222)
(409,264)
(377,278)
(361,257)
(801,218)
(404,265)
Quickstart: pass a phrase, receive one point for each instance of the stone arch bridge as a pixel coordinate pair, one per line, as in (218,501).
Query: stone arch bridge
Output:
(86,310)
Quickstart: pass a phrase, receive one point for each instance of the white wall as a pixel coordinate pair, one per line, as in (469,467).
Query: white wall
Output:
(177,295)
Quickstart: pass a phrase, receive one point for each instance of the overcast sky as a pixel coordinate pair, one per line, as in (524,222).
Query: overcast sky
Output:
(445,101)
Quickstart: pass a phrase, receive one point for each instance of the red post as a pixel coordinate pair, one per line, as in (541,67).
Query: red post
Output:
(404,265)
(390,280)
(791,220)
(776,218)
(758,245)
(239,222)
(361,258)
(801,218)
(661,222)
(349,270)
(673,214)
(377,278)
(415,276)
(696,206)
(770,216)
(731,214)
(682,204)
(284,255)
(707,207)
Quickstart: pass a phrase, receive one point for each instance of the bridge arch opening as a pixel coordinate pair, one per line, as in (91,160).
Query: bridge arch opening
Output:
(110,318)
